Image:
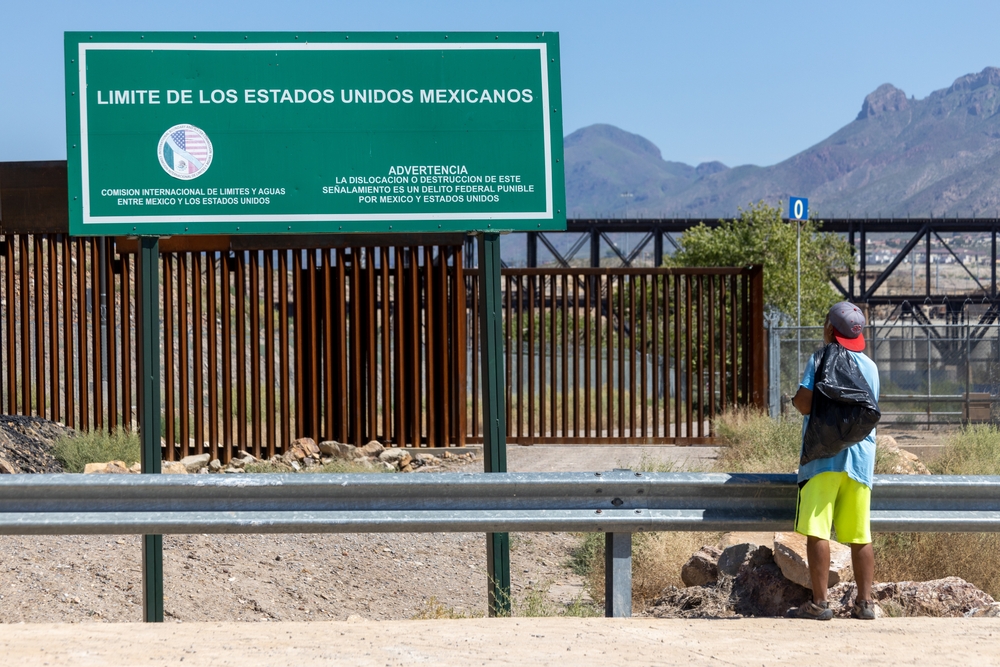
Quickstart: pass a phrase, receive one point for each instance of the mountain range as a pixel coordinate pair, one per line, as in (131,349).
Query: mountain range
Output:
(938,156)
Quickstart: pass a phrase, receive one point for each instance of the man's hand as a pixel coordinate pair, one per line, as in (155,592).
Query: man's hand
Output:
(803,400)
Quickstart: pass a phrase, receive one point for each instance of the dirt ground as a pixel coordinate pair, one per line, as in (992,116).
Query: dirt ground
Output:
(380,577)
(217,578)
(73,578)
(510,641)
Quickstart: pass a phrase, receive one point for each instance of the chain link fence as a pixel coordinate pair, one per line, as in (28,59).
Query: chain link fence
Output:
(930,374)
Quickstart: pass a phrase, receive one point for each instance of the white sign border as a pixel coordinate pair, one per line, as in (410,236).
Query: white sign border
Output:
(311,46)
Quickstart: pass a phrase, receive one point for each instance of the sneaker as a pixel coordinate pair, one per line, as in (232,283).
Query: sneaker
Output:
(816,611)
(863,610)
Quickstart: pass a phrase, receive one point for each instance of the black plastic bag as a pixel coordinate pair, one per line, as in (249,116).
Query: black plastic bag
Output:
(844,409)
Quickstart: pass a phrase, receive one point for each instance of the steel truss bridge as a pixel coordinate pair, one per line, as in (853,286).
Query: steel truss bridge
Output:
(592,236)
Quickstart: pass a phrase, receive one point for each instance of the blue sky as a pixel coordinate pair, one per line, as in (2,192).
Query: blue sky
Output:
(740,82)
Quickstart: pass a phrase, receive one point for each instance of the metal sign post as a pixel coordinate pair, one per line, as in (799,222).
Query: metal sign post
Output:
(148,361)
(494,411)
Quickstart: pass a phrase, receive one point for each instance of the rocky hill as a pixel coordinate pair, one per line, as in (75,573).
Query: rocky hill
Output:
(900,156)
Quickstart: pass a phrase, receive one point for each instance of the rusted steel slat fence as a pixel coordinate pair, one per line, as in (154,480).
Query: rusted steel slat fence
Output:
(259,347)
(51,332)
(361,343)
(642,356)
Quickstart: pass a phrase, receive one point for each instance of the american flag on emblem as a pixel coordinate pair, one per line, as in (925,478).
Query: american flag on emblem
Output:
(194,145)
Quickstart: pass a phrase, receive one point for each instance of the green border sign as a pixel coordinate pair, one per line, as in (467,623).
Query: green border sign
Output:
(278,133)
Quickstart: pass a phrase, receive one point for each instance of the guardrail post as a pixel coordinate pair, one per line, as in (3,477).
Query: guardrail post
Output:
(148,361)
(618,575)
(494,411)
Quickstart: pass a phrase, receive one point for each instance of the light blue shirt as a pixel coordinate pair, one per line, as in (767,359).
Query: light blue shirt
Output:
(858,461)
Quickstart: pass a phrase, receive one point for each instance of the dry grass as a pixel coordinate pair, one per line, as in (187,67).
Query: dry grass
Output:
(657,559)
(975,557)
(434,609)
(753,442)
(974,450)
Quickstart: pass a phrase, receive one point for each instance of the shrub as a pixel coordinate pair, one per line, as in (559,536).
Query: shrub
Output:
(974,450)
(753,442)
(75,452)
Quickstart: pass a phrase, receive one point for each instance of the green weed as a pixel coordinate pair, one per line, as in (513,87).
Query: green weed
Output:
(75,452)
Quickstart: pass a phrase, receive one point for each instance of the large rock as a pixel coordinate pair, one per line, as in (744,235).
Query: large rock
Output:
(372,449)
(760,589)
(340,450)
(111,467)
(790,556)
(892,460)
(329,447)
(951,596)
(399,458)
(195,462)
(702,568)
(989,611)
(733,557)
(7,469)
(26,443)
(302,448)
(173,468)
(948,597)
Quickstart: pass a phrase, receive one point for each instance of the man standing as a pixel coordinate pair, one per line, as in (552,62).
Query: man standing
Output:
(837,490)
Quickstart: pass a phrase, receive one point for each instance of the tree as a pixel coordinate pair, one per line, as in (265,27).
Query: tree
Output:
(760,236)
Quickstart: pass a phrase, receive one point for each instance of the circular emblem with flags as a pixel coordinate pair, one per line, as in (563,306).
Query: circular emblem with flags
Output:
(185,152)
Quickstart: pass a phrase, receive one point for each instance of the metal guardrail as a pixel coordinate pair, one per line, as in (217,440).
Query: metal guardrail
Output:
(618,503)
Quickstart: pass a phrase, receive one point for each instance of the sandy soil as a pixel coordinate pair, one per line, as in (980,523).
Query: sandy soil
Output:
(273,577)
(511,641)
(279,577)
(307,577)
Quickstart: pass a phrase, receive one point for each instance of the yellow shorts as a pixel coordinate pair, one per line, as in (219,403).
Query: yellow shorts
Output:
(834,498)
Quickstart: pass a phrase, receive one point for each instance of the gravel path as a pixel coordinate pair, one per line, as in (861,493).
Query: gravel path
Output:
(511,642)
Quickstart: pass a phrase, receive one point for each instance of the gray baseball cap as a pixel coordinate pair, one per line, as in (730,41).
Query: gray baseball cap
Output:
(848,325)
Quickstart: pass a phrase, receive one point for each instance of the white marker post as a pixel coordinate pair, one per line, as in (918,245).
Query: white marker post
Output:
(798,210)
